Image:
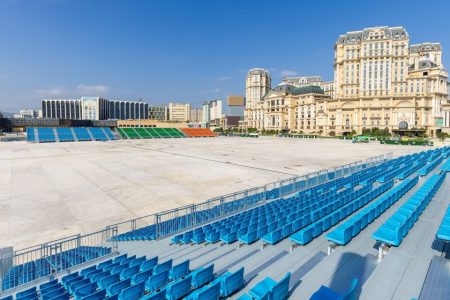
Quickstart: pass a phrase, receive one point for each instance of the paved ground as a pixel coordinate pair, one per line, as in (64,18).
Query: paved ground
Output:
(49,191)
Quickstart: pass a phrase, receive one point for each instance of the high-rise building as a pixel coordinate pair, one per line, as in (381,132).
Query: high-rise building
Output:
(94,108)
(62,109)
(258,84)
(179,112)
(196,115)
(236,106)
(158,112)
(380,81)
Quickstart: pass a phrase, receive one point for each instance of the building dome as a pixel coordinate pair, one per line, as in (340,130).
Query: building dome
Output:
(310,89)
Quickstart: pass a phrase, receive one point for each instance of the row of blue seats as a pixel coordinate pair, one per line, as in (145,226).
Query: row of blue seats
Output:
(403,170)
(213,232)
(445,166)
(263,219)
(341,212)
(427,168)
(131,278)
(42,267)
(345,232)
(269,289)
(176,224)
(69,134)
(398,225)
(444,229)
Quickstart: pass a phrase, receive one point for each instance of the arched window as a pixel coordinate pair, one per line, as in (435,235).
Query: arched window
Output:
(403,125)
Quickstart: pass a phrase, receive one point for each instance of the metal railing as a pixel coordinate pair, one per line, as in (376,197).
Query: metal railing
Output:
(22,266)
(161,224)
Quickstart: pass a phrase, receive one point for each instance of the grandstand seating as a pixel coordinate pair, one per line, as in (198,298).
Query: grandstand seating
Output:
(398,225)
(31,135)
(198,132)
(118,278)
(149,132)
(444,229)
(69,134)
(98,134)
(82,134)
(352,227)
(350,203)
(46,135)
(65,134)
(42,267)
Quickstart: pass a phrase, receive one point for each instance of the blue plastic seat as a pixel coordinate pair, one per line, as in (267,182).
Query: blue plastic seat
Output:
(303,236)
(133,292)
(161,295)
(54,293)
(202,276)
(157,281)
(325,293)
(249,238)
(341,235)
(85,290)
(179,270)
(129,272)
(99,295)
(273,237)
(272,290)
(141,276)
(27,293)
(117,287)
(230,282)
(108,281)
(149,264)
(165,266)
(178,289)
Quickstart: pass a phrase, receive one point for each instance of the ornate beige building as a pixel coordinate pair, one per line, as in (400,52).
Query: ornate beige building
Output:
(379,81)
(258,84)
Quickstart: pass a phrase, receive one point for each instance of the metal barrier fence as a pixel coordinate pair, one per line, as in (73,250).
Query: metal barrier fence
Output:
(24,265)
(168,222)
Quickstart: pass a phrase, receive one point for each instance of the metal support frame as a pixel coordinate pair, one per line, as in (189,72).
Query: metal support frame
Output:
(331,247)
(382,251)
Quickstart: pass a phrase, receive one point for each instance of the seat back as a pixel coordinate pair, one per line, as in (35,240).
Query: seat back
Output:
(178,289)
(233,282)
(108,281)
(129,272)
(211,293)
(157,281)
(117,287)
(133,292)
(141,276)
(149,264)
(167,265)
(99,295)
(202,276)
(281,290)
(179,270)
(86,289)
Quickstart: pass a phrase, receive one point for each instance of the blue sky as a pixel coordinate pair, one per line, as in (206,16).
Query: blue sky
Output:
(184,51)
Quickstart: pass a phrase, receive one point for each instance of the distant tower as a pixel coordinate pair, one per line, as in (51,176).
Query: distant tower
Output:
(258,83)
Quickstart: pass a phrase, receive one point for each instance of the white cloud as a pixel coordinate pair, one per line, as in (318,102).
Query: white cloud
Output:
(287,73)
(3,76)
(79,90)
(91,89)
(55,92)
(216,90)
(222,78)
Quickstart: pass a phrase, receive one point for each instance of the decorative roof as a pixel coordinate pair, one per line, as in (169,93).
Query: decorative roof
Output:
(355,37)
(425,47)
(310,89)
